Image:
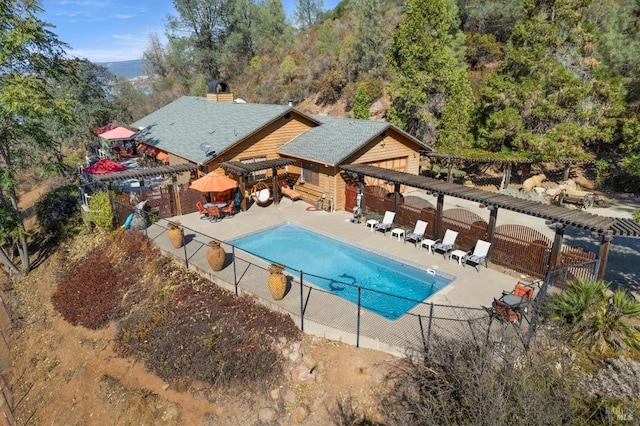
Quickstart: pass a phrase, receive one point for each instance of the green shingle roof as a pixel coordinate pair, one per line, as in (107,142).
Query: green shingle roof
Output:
(183,125)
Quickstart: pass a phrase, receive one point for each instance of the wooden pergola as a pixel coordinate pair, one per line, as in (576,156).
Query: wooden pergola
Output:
(507,165)
(149,172)
(605,227)
(242,170)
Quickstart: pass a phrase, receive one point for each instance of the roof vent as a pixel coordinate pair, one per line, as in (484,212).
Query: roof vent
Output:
(290,103)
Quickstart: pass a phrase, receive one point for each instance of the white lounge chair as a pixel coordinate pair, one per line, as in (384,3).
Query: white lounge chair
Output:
(479,254)
(418,232)
(387,222)
(446,245)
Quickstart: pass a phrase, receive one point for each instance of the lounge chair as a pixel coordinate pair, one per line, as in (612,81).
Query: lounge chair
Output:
(288,192)
(478,255)
(446,245)
(418,233)
(387,222)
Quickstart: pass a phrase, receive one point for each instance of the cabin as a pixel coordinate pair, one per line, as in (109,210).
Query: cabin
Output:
(218,130)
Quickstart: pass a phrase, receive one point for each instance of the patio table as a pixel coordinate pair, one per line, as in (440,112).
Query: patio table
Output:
(458,254)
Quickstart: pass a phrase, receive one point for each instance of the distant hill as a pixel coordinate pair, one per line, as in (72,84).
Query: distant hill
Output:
(127,69)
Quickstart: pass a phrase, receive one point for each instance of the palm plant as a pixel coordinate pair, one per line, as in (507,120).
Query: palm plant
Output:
(599,319)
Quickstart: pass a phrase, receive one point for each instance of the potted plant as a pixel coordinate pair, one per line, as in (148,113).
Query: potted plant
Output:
(176,235)
(277,281)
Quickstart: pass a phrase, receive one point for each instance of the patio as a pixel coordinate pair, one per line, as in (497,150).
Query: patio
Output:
(327,315)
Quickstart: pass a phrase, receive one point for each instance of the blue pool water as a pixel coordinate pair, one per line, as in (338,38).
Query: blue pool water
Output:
(340,268)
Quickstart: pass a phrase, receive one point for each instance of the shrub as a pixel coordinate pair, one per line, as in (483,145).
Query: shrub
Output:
(100,212)
(57,208)
(623,182)
(92,294)
(463,383)
(599,320)
(206,333)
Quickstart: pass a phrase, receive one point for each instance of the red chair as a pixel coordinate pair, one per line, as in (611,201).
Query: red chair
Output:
(204,212)
(228,210)
(214,213)
(505,312)
(523,290)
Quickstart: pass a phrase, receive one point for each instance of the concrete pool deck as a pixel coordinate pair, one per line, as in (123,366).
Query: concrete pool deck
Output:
(327,315)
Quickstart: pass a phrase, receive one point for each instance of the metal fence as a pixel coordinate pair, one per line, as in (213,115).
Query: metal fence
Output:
(324,312)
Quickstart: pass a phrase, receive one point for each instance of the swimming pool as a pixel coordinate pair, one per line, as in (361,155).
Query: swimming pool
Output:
(388,287)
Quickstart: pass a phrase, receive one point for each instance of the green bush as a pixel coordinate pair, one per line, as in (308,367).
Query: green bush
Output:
(636,216)
(100,212)
(57,208)
(624,182)
(602,171)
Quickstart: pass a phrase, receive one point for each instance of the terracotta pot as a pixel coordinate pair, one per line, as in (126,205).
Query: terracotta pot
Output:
(175,234)
(277,281)
(216,255)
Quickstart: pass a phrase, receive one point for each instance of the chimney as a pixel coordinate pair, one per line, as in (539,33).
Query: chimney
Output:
(219,91)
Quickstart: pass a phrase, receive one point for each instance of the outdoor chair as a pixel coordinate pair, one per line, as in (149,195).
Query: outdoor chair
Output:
(478,255)
(446,245)
(229,210)
(387,222)
(286,190)
(418,233)
(204,213)
(504,312)
(214,213)
(523,290)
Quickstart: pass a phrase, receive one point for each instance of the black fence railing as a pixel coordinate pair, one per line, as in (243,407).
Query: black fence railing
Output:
(354,318)
(345,311)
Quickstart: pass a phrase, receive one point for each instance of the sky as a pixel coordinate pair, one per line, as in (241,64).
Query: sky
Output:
(116,30)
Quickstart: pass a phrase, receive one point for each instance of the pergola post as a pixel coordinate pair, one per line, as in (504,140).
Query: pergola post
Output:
(493,220)
(176,193)
(274,183)
(506,175)
(396,196)
(242,189)
(143,194)
(605,244)
(556,249)
(439,214)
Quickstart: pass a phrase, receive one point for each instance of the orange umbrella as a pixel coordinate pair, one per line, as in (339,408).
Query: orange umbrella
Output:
(213,182)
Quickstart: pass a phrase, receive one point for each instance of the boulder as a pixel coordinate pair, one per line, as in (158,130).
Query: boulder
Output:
(534,181)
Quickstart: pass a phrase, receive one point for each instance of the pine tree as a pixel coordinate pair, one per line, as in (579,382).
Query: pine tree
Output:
(551,98)
(362,103)
(432,98)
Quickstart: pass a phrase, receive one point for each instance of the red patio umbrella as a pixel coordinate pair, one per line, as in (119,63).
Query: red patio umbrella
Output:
(213,182)
(103,166)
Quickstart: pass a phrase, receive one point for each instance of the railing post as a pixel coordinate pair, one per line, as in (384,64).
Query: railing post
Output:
(235,274)
(424,340)
(429,328)
(184,249)
(301,302)
(358,323)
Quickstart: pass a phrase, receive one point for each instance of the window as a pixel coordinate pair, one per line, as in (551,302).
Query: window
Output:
(258,174)
(309,173)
